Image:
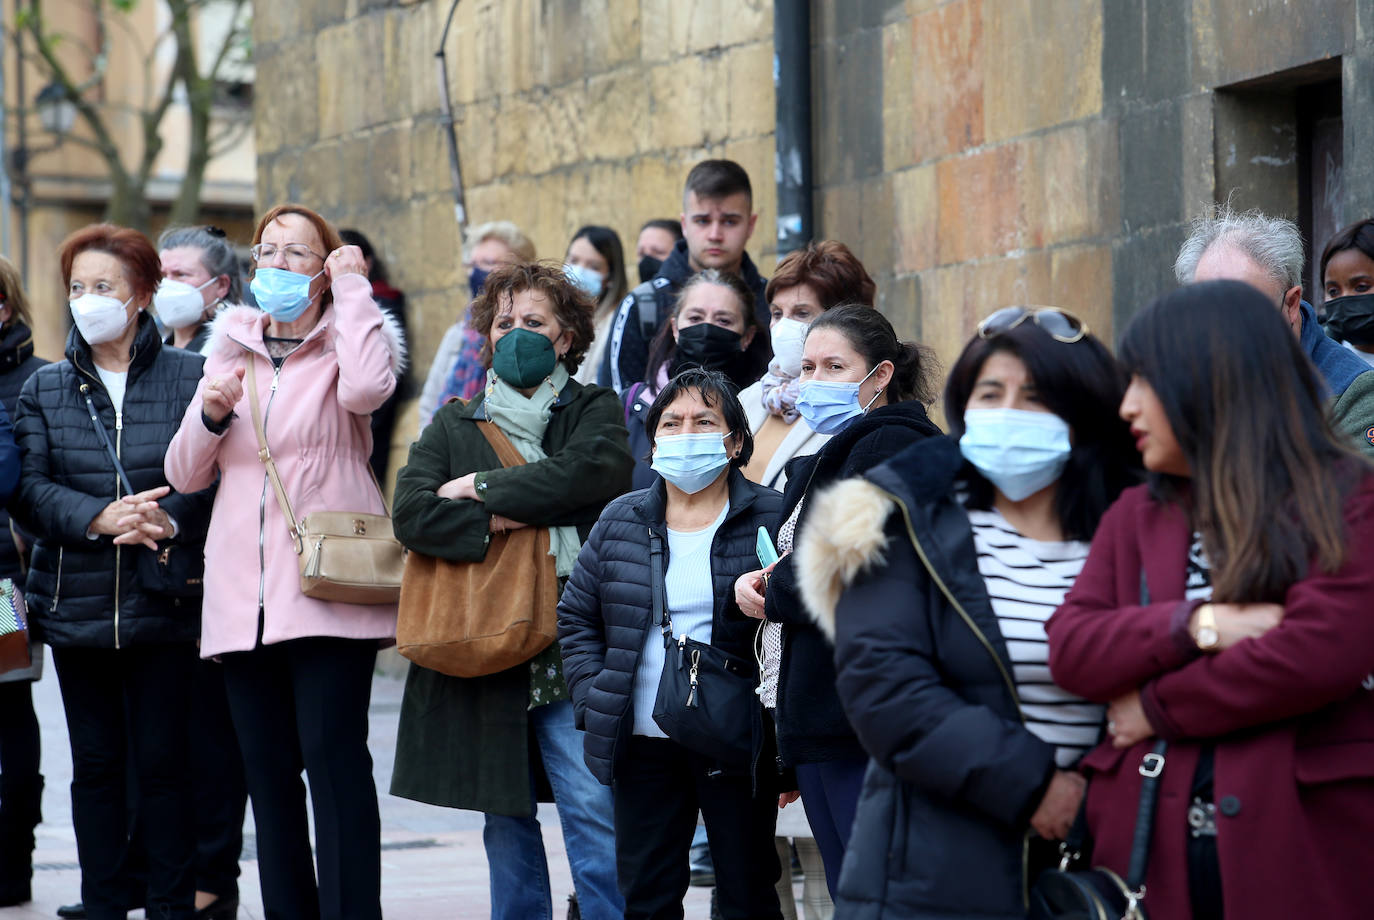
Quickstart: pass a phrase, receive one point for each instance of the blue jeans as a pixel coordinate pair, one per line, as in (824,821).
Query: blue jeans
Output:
(515,847)
(830,794)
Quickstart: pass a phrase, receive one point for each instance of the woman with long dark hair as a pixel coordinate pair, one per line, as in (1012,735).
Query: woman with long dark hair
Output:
(1225,610)
(595,262)
(935,573)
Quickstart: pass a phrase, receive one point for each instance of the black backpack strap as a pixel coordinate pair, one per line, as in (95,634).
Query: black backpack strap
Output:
(646,303)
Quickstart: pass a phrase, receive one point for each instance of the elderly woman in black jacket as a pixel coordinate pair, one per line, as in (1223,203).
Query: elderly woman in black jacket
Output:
(701,517)
(122,624)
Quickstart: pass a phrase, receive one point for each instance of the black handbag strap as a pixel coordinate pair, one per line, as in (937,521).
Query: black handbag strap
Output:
(1150,769)
(656,587)
(105,438)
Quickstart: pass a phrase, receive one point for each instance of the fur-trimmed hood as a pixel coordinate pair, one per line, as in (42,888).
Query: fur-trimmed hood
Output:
(843,537)
(844,531)
(242,327)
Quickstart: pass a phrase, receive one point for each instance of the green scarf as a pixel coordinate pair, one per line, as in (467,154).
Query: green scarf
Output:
(524,419)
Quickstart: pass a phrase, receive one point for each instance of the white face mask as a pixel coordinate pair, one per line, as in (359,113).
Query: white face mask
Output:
(99,319)
(179,304)
(789,336)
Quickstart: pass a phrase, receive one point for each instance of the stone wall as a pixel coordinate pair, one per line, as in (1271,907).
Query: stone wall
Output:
(974,153)
(1052,151)
(570,112)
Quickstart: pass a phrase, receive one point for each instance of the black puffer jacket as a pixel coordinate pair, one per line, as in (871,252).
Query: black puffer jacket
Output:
(606,611)
(84,592)
(889,566)
(812,727)
(17,364)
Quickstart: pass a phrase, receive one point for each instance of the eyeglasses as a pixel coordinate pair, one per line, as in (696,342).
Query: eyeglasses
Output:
(296,253)
(1061,325)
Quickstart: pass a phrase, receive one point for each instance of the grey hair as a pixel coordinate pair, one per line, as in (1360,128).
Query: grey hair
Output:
(216,254)
(505,231)
(1272,243)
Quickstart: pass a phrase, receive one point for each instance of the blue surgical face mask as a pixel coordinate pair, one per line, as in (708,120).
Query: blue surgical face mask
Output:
(588,279)
(690,461)
(828,405)
(1019,452)
(281,294)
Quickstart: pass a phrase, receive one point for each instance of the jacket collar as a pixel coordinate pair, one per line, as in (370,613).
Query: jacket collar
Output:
(16,346)
(1338,366)
(677,268)
(651,505)
(142,352)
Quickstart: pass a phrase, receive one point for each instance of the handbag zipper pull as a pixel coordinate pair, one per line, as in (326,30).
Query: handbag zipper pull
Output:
(692,677)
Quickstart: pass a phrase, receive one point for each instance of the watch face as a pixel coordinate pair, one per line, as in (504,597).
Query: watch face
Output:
(1208,637)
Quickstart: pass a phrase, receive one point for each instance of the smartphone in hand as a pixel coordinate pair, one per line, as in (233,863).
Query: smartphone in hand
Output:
(767,553)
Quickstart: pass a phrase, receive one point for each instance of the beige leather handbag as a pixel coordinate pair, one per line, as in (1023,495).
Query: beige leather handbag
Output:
(351,557)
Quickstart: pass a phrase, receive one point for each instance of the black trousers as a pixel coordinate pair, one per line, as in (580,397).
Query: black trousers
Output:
(658,790)
(302,705)
(221,796)
(129,709)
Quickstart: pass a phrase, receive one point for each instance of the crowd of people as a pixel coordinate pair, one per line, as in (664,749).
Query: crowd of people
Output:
(768,606)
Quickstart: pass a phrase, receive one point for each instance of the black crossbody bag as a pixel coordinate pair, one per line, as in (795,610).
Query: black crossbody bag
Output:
(705,695)
(1069,893)
(175,570)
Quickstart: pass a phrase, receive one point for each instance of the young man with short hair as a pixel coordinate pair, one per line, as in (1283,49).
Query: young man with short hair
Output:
(717,221)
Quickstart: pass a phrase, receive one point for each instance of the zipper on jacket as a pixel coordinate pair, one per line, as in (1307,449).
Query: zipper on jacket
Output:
(57,588)
(262,503)
(119,443)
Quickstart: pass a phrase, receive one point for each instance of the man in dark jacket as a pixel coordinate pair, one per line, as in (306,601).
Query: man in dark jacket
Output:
(717,221)
(1267,253)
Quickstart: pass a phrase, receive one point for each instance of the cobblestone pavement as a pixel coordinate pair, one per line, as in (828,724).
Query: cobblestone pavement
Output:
(433,865)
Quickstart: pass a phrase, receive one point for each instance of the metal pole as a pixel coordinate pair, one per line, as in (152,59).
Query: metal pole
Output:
(792,94)
(4,164)
(22,151)
(460,213)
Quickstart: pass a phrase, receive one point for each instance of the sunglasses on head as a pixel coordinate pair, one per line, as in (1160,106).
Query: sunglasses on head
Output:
(1061,325)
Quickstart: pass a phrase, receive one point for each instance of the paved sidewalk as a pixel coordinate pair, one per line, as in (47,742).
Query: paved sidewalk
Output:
(433,865)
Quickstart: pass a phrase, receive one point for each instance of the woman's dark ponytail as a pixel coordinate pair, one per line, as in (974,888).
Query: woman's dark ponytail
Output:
(871,335)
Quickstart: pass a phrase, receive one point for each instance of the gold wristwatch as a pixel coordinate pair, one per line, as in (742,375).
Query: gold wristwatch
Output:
(1205,633)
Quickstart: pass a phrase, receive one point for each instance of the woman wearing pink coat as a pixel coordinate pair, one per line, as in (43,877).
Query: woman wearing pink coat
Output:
(298,670)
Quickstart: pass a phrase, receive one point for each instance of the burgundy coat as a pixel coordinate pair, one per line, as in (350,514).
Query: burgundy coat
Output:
(1291,715)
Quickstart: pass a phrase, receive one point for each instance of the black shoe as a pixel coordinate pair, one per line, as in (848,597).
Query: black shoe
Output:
(219,909)
(574,912)
(75,911)
(703,872)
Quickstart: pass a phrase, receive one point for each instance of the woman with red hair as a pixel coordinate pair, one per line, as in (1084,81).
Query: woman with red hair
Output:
(93,430)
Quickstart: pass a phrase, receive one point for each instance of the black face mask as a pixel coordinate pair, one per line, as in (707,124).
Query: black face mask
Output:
(1351,319)
(706,345)
(648,268)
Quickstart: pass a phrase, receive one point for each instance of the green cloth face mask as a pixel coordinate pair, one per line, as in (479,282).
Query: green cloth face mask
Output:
(523,358)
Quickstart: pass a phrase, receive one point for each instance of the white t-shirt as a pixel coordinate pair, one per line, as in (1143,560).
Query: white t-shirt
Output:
(115,383)
(691,599)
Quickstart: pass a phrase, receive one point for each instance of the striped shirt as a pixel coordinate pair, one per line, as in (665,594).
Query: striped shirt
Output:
(1027,580)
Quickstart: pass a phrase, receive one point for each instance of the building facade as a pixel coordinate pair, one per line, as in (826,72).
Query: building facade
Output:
(974,153)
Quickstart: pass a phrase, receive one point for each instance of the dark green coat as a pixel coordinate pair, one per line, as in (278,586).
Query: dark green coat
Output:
(464,743)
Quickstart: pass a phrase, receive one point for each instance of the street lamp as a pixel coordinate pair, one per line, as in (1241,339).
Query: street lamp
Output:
(56,112)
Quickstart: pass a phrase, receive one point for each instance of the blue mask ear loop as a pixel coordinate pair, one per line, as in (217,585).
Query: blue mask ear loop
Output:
(875,395)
